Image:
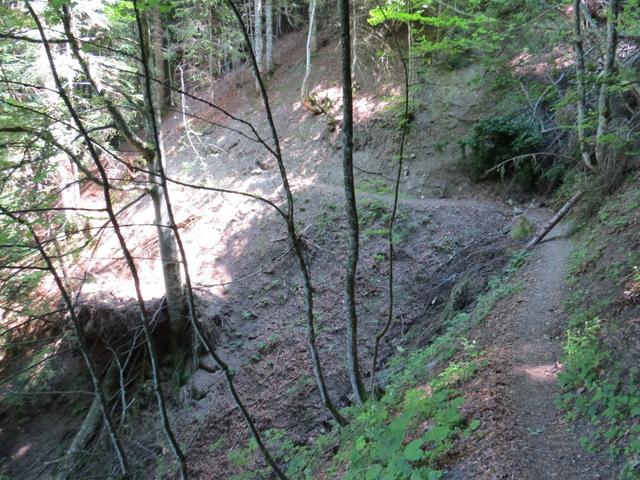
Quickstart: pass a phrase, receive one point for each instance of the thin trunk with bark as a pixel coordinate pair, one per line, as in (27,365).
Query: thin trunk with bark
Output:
(554,220)
(69,187)
(86,431)
(155,163)
(353,363)
(257,37)
(168,253)
(314,26)
(304,90)
(157,44)
(396,195)
(106,190)
(268,31)
(193,316)
(607,77)
(585,150)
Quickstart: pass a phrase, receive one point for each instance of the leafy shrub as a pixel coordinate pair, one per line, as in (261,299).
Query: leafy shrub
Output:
(494,141)
(522,228)
(382,449)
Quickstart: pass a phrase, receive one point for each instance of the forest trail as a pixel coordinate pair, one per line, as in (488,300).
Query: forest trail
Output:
(457,128)
(529,437)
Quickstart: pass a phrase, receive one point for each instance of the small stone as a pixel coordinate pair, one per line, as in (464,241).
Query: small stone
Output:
(208,364)
(200,384)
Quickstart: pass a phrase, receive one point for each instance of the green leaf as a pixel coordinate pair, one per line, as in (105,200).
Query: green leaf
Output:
(434,475)
(360,443)
(437,434)
(413,451)
(474,424)
(373,472)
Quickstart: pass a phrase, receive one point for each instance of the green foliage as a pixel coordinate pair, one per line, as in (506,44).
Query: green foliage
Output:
(380,257)
(301,384)
(583,355)
(370,211)
(205,40)
(375,186)
(442,32)
(386,445)
(383,439)
(373,232)
(597,381)
(522,228)
(498,289)
(496,140)
(215,446)
(247,315)
(611,403)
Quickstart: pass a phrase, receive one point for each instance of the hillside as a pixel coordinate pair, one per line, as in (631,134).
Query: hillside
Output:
(500,361)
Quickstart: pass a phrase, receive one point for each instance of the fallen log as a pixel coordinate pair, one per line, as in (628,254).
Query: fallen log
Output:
(85,432)
(554,221)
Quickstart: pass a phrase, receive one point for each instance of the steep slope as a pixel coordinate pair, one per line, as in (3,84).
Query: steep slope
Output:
(246,280)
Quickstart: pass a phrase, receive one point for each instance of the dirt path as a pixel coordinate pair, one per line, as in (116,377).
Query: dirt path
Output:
(525,435)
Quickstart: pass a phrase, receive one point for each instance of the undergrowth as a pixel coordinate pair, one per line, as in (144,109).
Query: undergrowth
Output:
(410,431)
(599,380)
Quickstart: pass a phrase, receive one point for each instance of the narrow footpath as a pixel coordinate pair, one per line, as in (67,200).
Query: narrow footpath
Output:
(523,435)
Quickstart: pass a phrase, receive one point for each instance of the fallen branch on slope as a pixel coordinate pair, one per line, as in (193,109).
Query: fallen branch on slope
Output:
(553,222)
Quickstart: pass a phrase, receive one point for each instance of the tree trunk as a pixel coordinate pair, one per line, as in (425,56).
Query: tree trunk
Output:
(278,22)
(354,40)
(269,36)
(410,61)
(156,163)
(85,432)
(170,263)
(257,35)
(193,315)
(156,44)
(606,80)
(152,155)
(353,365)
(113,220)
(313,25)
(304,90)
(212,34)
(585,151)
(619,63)
(406,70)
(69,187)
